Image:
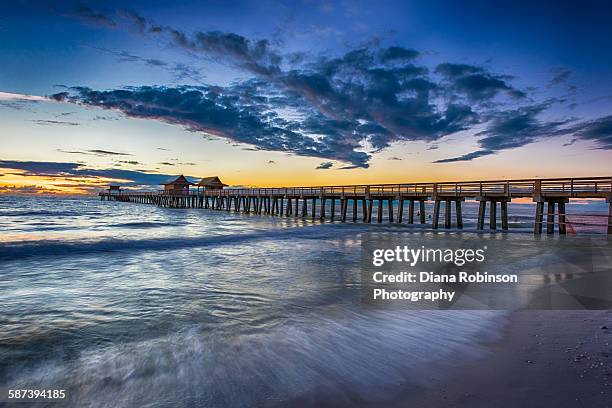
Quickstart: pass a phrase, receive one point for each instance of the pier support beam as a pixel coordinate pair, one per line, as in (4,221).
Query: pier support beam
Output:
(459,215)
(400,210)
(539,218)
(411,212)
(550,218)
(555,206)
(610,216)
(503,201)
(436,214)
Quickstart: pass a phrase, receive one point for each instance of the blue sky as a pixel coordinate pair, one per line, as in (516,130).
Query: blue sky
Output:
(431,89)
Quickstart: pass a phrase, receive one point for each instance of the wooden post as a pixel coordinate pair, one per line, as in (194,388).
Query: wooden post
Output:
(411,211)
(282,206)
(354,210)
(323,199)
(364,210)
(422,211)
(436,214)
(537,227)
(332,210)
(610,216)
(447,214)
(400,210)
(289,207)
(458,214)
(390,208)
(370,205)
(562,225)
(304,207)
(481,214)
(343,205)
(550,218)
(380,209)
(314,207)
(493,215)
(504,215)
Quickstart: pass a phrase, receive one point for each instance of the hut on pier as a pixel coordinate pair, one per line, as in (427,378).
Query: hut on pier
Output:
(178,186)
(113,190)
(210,183)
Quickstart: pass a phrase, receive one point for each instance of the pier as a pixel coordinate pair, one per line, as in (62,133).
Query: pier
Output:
(333,202)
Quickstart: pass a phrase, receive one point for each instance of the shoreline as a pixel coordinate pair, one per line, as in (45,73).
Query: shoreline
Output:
(550,358)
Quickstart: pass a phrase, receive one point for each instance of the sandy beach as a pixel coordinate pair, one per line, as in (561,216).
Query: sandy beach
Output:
(545,359)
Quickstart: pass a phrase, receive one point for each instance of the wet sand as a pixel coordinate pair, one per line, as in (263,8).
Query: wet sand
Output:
(545,359)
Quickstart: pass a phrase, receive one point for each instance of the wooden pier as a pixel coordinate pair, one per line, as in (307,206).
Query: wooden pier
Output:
(550,195)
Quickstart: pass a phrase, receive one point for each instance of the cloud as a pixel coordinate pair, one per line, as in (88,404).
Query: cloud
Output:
(512,129)
(167,164)
(560,75)
(466,157)
(598,131)
(325,166)
(79,170)
(8,96)
(336,107)
(94,152)
(27,189)
(131,162)
(54,122)
(88,15)
(394,158)
(180,71)
(475,83)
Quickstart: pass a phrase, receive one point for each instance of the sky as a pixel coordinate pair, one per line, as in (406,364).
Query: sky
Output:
(287,93)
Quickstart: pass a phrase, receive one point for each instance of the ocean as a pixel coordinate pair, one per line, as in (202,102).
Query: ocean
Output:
(126,305)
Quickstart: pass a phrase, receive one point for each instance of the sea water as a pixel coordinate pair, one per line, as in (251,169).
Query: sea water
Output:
(125,305)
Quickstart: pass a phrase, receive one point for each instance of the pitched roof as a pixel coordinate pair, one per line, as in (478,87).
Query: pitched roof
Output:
(211,181)
(179,180)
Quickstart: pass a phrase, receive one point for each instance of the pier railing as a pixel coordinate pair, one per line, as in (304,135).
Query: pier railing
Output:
(573,187)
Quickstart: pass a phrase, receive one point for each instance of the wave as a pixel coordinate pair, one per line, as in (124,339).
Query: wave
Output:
(46,248)
(371,356)
(46,213)
(146,224)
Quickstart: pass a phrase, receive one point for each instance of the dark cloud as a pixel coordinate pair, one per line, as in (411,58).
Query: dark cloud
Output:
(571,142)
(107,153)
(70,169)
(180,71)
(88,15)
(560,75)
(167,164)
(476,83)
(28,189)
(367,98)
(131,162)
(466,157)
(598,131)
(512,129)
(54,122)
(325,166)
(394,158)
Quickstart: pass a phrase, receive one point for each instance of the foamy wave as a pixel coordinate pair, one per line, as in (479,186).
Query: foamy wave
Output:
(365,356)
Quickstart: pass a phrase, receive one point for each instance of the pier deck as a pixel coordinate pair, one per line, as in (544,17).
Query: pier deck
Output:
(294,201)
